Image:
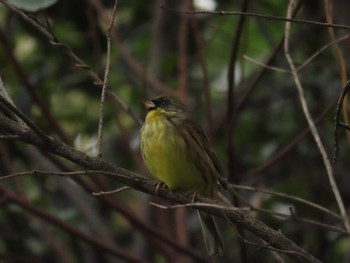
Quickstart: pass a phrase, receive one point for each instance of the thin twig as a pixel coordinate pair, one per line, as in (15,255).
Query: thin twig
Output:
(284,215)
(333,42)
(308,117)
(266,66)
(146,229)
(307,61)
(105,79)
(129,59)
(33,91)
(230,94)
(53,40)
(182,55)
(250,14)
(293,216)
(140,183)
(74,231)
(287,148)
(341,61)
(289,197)
(266,245)
(6,96)
(116,191)
(257,78)
(204,68)
(76,60)
(76,173)
(254,83)
(337,123)
(3,91)
(231,162)
(300,219)
(344,125)
(24,119)
(197,204)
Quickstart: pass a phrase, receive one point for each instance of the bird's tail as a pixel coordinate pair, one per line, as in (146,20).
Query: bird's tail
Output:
(211,234)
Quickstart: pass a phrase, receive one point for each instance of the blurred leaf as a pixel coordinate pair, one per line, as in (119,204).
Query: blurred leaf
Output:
(32,5)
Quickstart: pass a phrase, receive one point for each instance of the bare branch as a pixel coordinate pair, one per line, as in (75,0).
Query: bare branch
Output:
(333,42)
(6,97)
(337,122)
(231,162)
(69,52)
(308,117)
(289,197)
(129,59)
(140,183)
(23,118)
(117,252)
(105,79)
(197,204)
(116,191)
(33,91)
(249,14)
(266,66)
(204,68)
(341,60)
(318,52)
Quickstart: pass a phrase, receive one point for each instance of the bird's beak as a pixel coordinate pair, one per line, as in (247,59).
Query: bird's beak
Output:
(149,105)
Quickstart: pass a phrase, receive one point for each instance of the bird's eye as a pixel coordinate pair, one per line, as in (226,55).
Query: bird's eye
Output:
(163,103)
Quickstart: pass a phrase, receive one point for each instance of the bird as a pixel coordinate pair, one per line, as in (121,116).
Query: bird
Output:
(177,152)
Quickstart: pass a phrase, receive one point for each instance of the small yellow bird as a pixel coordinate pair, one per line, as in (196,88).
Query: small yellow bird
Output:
(177,152)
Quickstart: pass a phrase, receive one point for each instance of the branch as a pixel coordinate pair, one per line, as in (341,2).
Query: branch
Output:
(310,122)
(140,183)
(338,123)
(231,162)
(235,215)
(224,207)
(286,196)
(22,118)
(341,60)
(33,91)
(249,14)
(129,59)
(118,252)
(204,67)
(333,42)
(287,148)
(307,61)
(105,79)
(76,60)
(7,99)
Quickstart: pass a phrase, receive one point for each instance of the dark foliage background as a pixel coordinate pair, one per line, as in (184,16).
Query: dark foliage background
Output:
(157,51)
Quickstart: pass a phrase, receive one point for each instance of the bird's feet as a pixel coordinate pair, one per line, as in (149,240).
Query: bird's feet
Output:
(194,196)
(158,185)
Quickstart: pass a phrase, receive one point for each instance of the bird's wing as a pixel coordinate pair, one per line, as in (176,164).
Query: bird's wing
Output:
(201,139)
(200,151)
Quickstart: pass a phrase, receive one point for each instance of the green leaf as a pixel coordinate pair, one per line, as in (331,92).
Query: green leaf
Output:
(32,5)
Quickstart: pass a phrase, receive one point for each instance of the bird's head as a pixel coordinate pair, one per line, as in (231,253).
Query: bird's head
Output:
(166,104)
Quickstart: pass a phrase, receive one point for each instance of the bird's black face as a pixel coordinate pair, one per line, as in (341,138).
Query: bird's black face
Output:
(162,102)
(166,103)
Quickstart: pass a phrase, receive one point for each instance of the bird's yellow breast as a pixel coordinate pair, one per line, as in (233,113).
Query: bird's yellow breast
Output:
(166,154)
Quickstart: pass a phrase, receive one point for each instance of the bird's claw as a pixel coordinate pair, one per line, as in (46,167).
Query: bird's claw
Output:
(158,185)
(194,196)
